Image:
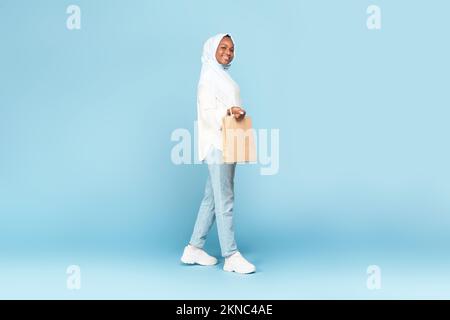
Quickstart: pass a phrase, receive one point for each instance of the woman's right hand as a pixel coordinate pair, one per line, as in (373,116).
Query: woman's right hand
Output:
(238,112)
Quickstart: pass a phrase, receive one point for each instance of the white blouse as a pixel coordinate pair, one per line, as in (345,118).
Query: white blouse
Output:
(210,110)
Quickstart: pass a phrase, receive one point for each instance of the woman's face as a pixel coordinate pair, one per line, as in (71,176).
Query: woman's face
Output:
(225,51)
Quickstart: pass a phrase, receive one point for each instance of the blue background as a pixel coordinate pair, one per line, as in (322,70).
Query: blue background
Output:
(86,176)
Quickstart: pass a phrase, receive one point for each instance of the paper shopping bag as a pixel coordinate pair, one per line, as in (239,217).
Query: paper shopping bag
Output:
(238,140)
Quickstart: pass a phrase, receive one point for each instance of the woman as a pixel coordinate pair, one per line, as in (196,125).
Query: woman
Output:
(217,96)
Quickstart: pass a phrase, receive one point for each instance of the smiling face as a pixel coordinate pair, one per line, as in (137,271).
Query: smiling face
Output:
(225,51)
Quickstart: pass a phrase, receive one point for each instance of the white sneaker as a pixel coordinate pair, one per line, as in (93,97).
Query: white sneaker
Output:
(238,263)
(193,255)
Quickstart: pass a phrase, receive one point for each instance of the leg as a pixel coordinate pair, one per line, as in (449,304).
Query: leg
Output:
(222,182)
(205,217)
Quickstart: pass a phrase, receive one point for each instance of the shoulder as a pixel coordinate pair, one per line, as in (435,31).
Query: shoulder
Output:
(207,83)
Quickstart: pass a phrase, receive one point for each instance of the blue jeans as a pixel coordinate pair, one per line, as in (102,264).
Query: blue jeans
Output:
(217,204)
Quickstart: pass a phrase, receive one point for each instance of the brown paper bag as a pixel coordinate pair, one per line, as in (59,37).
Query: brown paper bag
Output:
(238,140)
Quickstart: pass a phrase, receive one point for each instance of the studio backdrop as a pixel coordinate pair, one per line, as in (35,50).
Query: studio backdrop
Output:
(99,174)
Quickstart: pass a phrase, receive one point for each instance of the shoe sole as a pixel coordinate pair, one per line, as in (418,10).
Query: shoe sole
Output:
(189,261)
(232,270)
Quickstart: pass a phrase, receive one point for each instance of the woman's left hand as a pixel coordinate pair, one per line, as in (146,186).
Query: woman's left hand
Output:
(238,113)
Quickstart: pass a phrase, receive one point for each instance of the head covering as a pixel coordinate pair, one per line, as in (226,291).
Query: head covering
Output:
(215,75)
(210,48)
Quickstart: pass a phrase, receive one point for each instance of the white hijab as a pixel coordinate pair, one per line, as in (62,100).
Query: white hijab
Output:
(216,76)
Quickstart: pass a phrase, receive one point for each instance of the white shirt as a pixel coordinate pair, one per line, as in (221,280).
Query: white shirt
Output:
(210,111)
